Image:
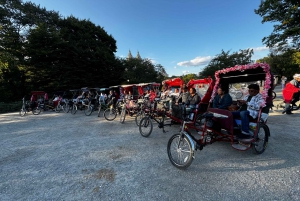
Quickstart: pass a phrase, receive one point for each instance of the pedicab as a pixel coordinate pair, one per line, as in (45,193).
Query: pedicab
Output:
(80,99)
(161,109)
(36,97)
(219,124)
(42,102)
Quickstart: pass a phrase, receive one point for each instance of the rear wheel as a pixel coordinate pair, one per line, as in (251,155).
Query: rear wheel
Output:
(273,95)
(88,110)
(262,138)
(110,114)
(139,116)
(145,126)
(123,115)
(74,109)
(36,110)
(180,151)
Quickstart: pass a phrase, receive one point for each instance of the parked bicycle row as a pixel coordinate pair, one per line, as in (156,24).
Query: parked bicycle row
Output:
(233,108)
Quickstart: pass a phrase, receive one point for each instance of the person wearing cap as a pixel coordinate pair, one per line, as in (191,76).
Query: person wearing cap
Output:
(291,93)
(250,106)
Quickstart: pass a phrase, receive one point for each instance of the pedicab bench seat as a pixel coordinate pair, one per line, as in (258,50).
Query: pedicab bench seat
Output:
(224,122)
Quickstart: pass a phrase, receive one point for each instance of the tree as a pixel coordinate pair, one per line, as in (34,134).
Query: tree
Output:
(287,15)
(188,77)
(225,60)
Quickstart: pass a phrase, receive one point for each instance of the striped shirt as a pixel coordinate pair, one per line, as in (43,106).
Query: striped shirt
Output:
(254,105)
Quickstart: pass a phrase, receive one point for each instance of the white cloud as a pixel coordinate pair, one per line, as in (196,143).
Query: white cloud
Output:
(175,66)
(198,61)
(260,49)
(185,72)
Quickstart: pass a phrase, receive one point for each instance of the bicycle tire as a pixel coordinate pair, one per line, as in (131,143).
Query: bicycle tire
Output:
(123,115)
(180,151)
(36,110)
(273,95)
(110,114)
(22,112)
(146,126)
(99,109)
(74,109)
(139,116)
(88,110)
(261,141)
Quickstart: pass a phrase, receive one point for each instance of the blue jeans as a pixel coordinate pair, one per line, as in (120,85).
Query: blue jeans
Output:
(244,115)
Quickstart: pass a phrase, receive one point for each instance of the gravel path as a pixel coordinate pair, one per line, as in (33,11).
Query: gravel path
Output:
(57,156)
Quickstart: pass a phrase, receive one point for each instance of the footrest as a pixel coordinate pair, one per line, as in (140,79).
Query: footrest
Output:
(241,146)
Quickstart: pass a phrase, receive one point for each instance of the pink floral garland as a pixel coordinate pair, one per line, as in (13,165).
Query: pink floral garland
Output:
(264,66)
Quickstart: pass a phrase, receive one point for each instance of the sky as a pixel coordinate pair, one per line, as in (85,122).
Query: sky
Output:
(181,35)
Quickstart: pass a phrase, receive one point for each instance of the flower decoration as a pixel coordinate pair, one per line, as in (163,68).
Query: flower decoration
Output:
(241,68)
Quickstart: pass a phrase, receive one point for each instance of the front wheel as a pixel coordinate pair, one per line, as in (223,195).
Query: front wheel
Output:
(123,115)
(99,109)
(110,114)
(74,109)
(139,116)
(22,112)
(262,138)
(146,126)
(88,110)
(58,108)
(36,110)
(180,151)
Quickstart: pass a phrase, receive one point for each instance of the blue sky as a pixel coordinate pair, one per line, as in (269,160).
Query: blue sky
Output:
(181,35)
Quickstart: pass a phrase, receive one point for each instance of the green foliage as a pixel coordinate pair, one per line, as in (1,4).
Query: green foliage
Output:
(225,60)
(286,16)
(285,63)
(188,77)
(10,107)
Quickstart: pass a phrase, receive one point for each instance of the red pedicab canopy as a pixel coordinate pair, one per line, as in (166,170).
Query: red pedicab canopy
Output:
(204,88)
(173,82)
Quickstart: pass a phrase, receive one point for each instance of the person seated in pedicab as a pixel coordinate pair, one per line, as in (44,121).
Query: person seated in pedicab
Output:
(222,100)
(291,93)
(103,98)
(183,96)
(158,93)
(192,101)
(80,96)
(250,106)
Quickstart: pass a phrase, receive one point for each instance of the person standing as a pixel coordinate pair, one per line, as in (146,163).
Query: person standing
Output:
(283,80)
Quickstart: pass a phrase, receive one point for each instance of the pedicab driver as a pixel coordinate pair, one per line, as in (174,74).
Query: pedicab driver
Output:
(250,106)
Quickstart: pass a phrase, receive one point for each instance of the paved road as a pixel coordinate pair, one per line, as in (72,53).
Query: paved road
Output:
(74,157)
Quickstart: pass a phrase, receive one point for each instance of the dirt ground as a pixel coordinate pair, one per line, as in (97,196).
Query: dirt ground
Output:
(58,156)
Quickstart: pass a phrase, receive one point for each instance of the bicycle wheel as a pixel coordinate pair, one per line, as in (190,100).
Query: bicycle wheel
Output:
(110,114)
(262,138)
(22,112)
(99,109)
(123,115)
(88,110)
(180,151)
(273,95)
(58,108)
(66,108)
(146,126)
(74,109)
(139,116)
(36,110)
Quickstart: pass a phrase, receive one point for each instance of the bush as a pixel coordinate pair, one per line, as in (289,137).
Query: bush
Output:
(10,107)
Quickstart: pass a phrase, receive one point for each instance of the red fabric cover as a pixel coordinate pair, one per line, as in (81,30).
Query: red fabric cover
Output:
(192,82)
(141,91)
(46,96)
(225,123)
(173,82)
(207,96)
(152,96)
(288,92)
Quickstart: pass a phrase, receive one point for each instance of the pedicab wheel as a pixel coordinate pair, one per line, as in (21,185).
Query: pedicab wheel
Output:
(238,95)
(139,116)
(261,141)
(36,110)
(99,110)
(88,110)
(123,115)
(22,112)
(110,114)
(74,109)
(66,108)
(180,151)
(146,126)
(273,95)
(58,108)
